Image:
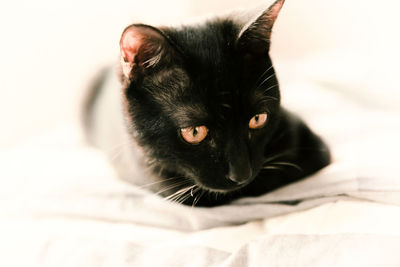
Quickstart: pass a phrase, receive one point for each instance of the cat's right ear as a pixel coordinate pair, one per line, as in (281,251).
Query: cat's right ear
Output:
(255,38)
(142,47)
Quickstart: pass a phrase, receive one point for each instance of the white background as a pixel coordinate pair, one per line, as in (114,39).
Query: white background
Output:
(49,50)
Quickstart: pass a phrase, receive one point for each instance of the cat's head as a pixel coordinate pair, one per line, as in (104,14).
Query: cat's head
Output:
(202,101)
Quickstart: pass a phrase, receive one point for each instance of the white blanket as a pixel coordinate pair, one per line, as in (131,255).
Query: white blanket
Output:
(62,204)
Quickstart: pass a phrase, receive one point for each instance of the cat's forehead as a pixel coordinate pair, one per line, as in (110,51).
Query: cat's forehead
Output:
(210,43)
(210,79)
(172,89)
(189,100)
(209,56)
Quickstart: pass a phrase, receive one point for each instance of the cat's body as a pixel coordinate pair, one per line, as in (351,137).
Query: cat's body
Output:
(197,115)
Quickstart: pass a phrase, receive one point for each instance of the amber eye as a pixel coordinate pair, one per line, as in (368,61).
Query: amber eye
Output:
(258,121)
(194,135)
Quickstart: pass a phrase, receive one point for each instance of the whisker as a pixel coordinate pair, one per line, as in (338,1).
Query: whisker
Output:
(197,198)
(226,106)
(175,195)
(181,197)
(185,196)
(172,186)
(216,195)
(180,192)
(287,164)
(276,156)
(117,150)
(264,73)
(270,97)
(269,88)
(116,155)
(159,182)
(271,168)
(191,192)
(269,77)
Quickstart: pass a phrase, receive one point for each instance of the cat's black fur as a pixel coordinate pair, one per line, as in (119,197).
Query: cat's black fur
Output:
(220,76)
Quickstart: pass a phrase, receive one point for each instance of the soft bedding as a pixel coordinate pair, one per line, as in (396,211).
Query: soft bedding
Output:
(62,204)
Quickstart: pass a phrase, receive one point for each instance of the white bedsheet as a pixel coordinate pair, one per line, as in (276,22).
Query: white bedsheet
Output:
(62,205)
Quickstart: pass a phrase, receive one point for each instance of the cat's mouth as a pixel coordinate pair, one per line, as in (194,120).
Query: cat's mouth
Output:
(222,190)
(224,185)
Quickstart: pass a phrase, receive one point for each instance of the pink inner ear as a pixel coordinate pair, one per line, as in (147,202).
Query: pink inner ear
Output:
(130,44)
(275,8)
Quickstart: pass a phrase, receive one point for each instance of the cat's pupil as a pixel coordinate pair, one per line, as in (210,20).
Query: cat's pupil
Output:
(256,117)
(195,132)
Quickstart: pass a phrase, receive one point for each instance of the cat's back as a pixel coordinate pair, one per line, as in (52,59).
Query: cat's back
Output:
(99,105)
(103,122)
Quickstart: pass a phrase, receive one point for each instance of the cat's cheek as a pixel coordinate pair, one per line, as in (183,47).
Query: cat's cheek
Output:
(258,143)
(211,144)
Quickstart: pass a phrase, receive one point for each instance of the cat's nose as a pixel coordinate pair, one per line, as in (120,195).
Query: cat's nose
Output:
(239,174)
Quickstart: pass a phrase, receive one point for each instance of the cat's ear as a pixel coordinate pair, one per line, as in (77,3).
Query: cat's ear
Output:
(255,37)
(142,47)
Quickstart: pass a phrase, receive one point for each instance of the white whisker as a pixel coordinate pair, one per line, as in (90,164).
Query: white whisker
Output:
(180,192)
(269,77)
(117,150)
(158,182)
(287,164)
(191,192)
(269,159)
(197,198)
(174,185)
(269,88)
(271,97)
(265,72)
(271,168)
(226,105)
(183,198)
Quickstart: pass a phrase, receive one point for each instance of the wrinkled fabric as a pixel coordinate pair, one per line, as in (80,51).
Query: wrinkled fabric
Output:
(62,204)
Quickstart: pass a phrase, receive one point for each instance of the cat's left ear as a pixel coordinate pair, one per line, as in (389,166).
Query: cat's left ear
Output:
(143,48)
(256,37)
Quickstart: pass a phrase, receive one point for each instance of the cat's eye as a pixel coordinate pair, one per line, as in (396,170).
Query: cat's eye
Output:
(194,135)
(258,121)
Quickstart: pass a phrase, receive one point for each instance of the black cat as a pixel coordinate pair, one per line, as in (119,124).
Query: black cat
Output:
(199,108)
